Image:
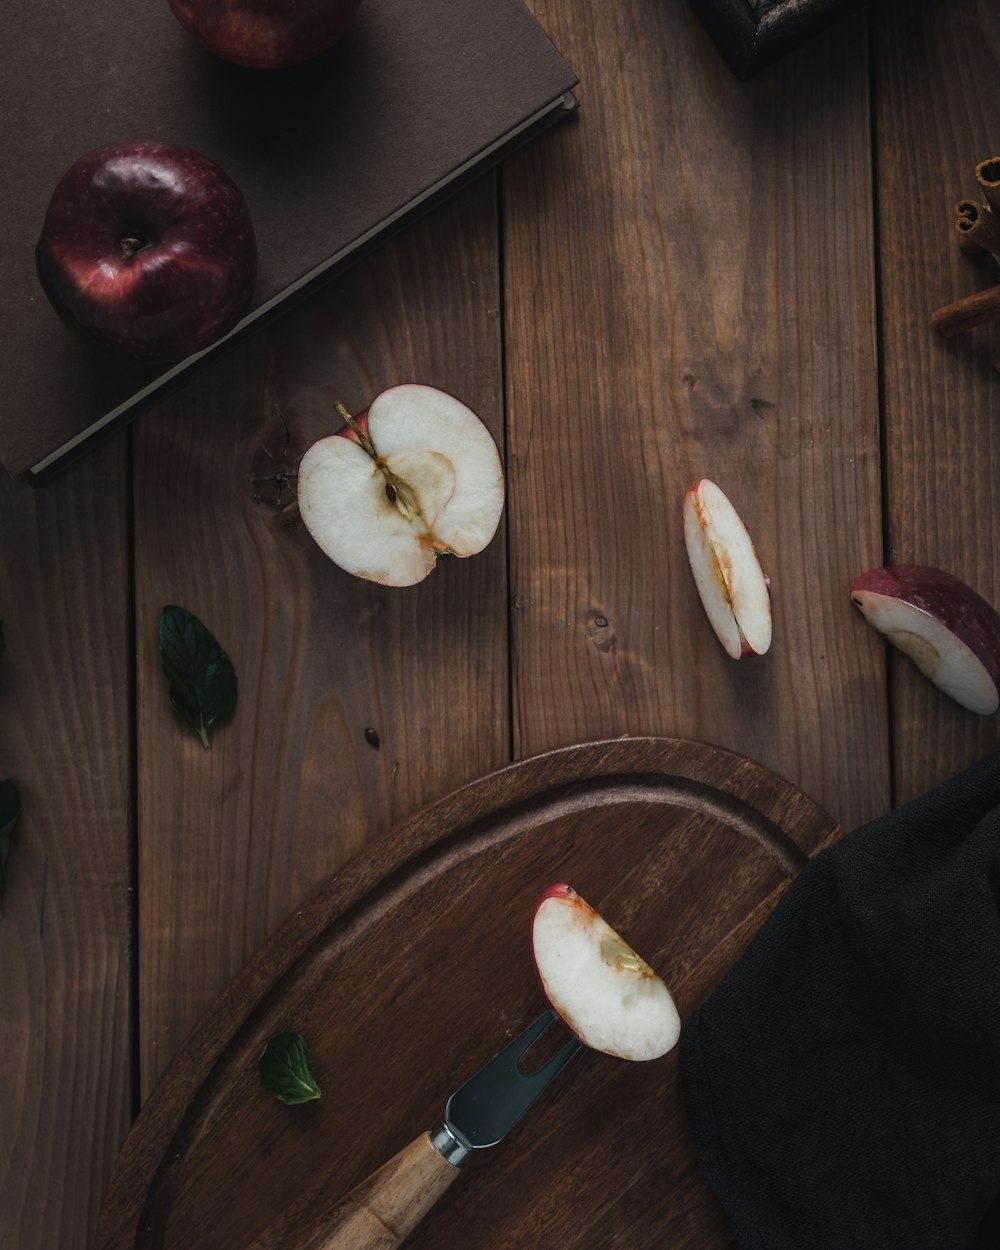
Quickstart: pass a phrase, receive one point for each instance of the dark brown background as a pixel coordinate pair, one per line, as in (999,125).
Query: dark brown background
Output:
(699,277)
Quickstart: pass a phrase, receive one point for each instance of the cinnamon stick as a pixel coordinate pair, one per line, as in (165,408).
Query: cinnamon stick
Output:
(988,177)
(978,228)
(965,314)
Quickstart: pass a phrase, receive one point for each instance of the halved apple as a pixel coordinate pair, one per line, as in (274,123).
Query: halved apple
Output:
(415,476)
(949,631)
(733,588)
(603,991)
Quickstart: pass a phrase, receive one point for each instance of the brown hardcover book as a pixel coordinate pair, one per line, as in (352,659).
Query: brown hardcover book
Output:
(420,96)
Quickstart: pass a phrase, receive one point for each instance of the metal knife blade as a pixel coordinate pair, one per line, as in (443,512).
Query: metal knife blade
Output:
(483,1110)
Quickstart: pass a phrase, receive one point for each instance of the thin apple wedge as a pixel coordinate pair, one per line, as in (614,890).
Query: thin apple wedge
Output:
(415,476)
(603,991)
(732,586)
(949,631)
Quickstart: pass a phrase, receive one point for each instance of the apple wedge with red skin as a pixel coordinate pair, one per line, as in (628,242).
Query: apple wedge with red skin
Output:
(415,476)
(732,586)
(266,34)
(948,630)
(148,247)
(600,988)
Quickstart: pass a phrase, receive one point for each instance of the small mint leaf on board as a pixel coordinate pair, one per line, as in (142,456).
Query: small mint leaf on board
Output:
(201,676)
(10,810)
(286,1069)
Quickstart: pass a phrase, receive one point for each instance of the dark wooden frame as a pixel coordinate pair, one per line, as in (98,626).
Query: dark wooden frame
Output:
(751,33)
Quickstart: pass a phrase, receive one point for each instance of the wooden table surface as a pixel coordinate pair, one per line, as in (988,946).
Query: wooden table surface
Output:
(697,277)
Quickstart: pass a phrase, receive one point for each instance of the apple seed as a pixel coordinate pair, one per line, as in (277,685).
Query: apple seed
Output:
(617,955)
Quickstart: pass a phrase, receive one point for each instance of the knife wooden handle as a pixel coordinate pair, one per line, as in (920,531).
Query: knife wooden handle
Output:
(383,1210)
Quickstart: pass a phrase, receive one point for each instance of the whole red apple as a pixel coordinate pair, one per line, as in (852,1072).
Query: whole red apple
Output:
(266,34)
(149,248)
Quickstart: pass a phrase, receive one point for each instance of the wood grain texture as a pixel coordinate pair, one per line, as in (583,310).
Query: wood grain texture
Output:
(232,839)
(689,293)
(938,69)
(381,1212)
(65,699)
(410,968)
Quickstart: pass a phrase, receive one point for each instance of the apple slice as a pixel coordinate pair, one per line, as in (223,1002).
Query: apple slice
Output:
(415,476)
(609,997)
(951,633)
(733,588)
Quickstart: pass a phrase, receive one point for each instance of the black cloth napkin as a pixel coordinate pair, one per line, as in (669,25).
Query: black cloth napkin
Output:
(842,1083)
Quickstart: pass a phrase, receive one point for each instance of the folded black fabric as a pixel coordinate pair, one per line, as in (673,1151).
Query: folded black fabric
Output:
(842,1083)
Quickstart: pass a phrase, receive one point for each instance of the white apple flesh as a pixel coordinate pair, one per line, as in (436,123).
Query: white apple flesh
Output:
(415,476)
(949,631)
(603,991)
(732,586)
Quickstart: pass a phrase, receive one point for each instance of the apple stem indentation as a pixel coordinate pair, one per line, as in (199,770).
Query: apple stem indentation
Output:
(131,245)
(364,441)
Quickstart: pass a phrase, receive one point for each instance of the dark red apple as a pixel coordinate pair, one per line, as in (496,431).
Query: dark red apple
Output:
(266,34)
(149,248)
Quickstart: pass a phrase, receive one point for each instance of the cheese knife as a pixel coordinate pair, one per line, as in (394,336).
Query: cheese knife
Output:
(382,1211)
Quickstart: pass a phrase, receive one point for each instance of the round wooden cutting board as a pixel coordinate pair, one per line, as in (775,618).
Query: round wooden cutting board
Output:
(411,967)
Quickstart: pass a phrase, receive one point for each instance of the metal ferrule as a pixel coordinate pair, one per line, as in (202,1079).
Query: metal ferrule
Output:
(448,1146)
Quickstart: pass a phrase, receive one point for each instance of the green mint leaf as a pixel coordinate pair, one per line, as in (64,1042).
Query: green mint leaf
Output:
(286,1069)
(10,809)
(201,676)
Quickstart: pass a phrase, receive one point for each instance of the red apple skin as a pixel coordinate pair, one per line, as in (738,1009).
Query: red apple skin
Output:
(943,596)
(559,890)
(149,248)
(266,34)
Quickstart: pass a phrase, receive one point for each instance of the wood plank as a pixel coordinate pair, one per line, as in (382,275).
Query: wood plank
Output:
(938,70)
(689,293)
(233,839)
(65,725)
